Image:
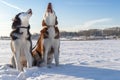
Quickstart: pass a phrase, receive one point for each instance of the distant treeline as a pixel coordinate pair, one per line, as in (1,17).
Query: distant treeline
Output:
(115,31)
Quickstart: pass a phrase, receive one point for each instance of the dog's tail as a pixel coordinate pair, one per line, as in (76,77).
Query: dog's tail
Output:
(34,47)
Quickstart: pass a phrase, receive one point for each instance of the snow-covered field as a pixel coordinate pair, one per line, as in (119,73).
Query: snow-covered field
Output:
(79,60)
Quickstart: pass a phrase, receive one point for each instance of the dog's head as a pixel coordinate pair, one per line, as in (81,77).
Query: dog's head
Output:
(22,19)
(50,18)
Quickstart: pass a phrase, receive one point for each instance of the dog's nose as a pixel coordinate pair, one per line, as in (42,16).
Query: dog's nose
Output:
(49,4)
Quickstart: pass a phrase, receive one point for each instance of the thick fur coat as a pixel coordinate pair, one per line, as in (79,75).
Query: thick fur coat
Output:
(21,43)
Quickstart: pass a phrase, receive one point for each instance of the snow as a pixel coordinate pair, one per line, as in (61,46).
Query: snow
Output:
(79,60)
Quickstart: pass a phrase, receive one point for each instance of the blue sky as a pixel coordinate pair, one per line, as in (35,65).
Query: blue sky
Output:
(73,15)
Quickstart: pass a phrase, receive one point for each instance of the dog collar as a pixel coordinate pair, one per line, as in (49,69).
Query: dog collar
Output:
(24,27)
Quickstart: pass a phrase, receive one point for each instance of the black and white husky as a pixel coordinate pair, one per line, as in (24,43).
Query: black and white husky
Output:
(21,43)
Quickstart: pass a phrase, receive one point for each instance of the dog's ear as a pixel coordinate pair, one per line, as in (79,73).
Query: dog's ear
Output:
(16,22)
(43,23)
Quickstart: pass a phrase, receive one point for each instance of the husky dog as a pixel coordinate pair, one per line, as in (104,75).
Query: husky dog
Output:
(21,43)
(48,43)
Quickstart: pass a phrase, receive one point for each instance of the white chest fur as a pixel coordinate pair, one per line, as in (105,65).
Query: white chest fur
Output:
(51,32)
(24,33)
(51,43)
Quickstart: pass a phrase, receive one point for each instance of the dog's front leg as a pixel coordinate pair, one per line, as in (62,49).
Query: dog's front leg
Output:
(45,57)
(56,55)
(17,61)
(28,55)
(29,59)
(46,45)
(56,51)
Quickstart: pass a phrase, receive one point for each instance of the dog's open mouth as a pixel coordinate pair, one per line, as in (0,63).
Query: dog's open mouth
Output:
(49,8)
(30,11)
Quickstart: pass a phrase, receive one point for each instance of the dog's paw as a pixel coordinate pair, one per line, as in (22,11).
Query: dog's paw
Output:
(42,64)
